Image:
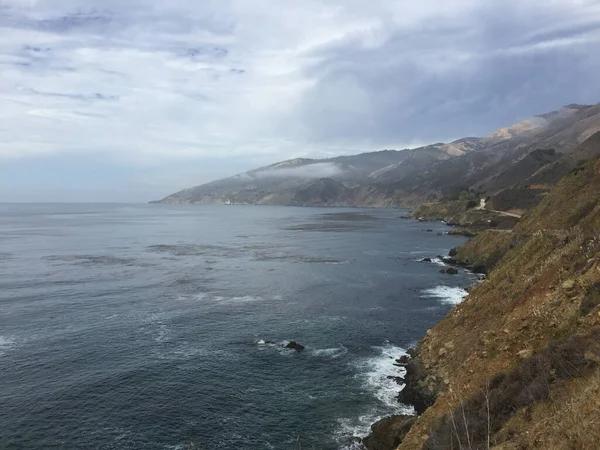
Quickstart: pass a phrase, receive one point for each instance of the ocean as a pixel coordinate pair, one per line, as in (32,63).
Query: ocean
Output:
(164,326)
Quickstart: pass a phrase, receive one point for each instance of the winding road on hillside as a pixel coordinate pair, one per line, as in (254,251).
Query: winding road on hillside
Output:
(504,213)
(481,207)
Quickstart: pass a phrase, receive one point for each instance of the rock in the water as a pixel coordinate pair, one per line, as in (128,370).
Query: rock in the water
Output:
(450,271)
(403,360)
(388,433)
(295,346)
(426,260)
(453,252)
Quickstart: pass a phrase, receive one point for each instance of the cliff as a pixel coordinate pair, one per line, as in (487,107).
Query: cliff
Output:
(517,364)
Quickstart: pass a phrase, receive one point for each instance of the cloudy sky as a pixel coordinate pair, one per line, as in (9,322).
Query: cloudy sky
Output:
(113,100)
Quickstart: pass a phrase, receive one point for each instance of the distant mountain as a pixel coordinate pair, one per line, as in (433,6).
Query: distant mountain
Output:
(289,182)
(502,161)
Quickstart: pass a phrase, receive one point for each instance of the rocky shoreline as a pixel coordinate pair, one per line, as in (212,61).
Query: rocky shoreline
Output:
(420,391)
(517,364)
(420,386)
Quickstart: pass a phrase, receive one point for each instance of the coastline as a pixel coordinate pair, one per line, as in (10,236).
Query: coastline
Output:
(498,370)
(419,386)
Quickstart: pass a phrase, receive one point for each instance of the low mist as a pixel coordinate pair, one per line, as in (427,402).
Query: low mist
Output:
(317,170)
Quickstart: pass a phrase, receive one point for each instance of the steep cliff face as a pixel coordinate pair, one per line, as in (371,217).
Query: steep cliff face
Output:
(517,364)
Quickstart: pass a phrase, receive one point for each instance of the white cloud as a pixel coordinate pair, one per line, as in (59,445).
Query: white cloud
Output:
(316,170)
(151,81)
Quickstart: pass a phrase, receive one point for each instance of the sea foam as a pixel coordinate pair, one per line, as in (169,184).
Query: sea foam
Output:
(5,344)
(447,294)
(330,352)
(373,373)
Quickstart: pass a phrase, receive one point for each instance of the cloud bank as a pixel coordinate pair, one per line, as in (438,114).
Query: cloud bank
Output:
(316,170)
(227,85)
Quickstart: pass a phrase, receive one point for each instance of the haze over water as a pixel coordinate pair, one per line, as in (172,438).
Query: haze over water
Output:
(127,327)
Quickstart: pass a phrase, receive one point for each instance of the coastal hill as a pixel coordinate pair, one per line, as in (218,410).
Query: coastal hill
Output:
(507,166)
(332,182)
(517,364)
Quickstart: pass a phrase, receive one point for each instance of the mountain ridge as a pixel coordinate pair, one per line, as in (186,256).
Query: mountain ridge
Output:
(409,177)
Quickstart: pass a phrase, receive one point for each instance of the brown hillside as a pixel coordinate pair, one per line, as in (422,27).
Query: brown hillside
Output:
(517,363)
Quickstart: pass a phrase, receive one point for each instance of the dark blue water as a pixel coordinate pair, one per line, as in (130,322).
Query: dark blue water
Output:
(142,327)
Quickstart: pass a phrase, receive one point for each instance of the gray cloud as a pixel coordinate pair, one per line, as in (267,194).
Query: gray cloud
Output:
(484,70)
(150,83)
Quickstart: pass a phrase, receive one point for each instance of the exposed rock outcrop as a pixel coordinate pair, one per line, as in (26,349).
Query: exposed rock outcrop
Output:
(295,346)
(388,433)
(419,390)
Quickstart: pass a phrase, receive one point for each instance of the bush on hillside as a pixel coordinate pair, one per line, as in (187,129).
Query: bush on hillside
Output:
(473,424)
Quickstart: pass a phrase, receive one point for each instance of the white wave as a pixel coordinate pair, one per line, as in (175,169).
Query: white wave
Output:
(222,299)
(374,373)
(262,342)
(271,343)
(163,333)
(279,346)
(5,344)
(330,352)
(447,294)
(350,431)
(185,350)
(240,299)
(438,261)
(6,341)
(199,296)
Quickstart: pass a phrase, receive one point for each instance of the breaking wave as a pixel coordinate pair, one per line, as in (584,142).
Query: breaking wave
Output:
(447,294)
(374,373)
(6,343)
(330,352)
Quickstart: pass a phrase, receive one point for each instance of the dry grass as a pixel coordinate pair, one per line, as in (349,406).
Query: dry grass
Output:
(523,306)
(475,424)
(569,421)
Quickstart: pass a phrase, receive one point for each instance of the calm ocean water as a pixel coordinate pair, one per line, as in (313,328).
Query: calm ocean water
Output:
(147,327)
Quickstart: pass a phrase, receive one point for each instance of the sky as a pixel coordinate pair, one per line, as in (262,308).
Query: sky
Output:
(129,101)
